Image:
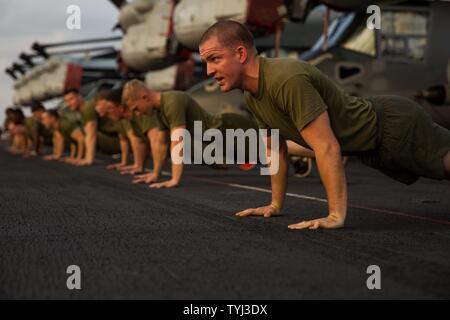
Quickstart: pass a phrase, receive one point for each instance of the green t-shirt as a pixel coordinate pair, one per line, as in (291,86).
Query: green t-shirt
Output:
(293,93)
(125,125)
(31,126)
(105,125)
(143,123)
(88,112)
(180,109)
(44,132)
(110,127)
(66,127)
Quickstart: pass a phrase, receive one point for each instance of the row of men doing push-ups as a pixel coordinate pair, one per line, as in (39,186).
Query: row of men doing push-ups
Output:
(305,113)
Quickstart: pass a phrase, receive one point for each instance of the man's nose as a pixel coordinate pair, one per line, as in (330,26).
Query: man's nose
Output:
(210,71)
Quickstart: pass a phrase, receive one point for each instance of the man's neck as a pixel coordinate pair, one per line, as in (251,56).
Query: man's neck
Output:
(155,98)
(251,76)
(81,105)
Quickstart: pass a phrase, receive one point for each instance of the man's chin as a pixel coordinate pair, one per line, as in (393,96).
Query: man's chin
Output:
(224,88)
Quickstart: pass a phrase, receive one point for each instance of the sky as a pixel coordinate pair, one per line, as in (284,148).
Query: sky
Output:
(23,22)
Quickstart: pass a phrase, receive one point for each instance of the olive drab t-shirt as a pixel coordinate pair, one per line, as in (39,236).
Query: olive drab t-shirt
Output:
(142,123)
(31,126)
(125,125)
(66,127)
(180,109)
(293,93)
(88,112)
(104,124)
(44,132)
(110,127)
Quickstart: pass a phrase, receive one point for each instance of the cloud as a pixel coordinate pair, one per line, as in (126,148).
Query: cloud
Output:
(26,21)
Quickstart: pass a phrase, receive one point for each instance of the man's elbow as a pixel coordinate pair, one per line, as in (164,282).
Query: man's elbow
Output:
(328,149)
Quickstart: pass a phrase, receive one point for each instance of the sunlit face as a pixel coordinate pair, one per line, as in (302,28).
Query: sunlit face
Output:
(47,120)
(225,65)
(101,107)
(73,101)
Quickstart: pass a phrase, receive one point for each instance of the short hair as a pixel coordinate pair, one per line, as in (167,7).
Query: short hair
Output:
(71,90)
(37,106)
(17,116)
(100,95)
(102,90)
(114,96)
(229,33)
(131,91)
(53,113)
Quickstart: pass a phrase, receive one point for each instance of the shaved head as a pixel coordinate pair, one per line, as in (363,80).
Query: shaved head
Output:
(137,97)
(228,49)
(132,91)
(230,34)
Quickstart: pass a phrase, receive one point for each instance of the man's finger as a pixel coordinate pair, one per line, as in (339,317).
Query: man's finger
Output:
(124,172)
(246,213)
(300,226)
(315,225)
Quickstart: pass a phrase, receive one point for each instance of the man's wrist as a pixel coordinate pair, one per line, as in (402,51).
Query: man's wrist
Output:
(337,217)
(276,206)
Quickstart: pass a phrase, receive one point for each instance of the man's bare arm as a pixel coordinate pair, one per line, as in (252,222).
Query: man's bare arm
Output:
(177,168)
(90,131)
(124,150)
(78,136)
(320,137)
(278,181)
(159,146)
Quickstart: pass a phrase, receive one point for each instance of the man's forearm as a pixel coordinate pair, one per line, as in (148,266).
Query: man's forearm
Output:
(59,147)
(35,140)
(90,142)
(73,151)
(138,149)
(158,147)
(141,153)
(333,176)
(80,149)
(124,151)
(177,169)
(159,154)
(279,179)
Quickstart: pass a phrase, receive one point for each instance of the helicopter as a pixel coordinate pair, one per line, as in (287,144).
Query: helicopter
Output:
(406,56)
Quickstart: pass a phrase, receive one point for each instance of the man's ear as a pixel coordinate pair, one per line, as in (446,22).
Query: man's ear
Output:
(243,54)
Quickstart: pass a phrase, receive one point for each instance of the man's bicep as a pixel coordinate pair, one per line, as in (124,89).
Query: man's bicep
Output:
(319,133)
(90,127)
